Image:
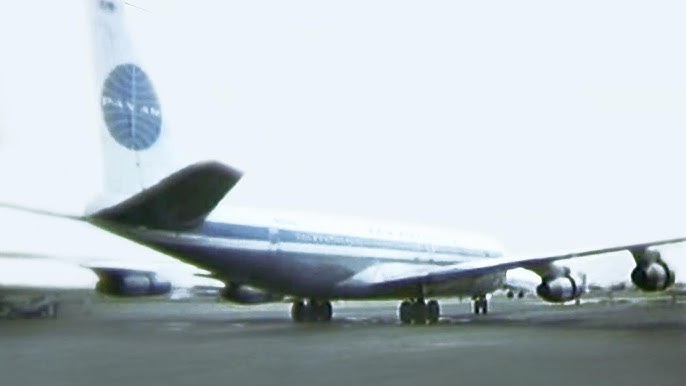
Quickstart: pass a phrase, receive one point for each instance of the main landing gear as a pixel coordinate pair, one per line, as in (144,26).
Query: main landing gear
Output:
(511,294)
(480,304)
(312,311)
(418,311)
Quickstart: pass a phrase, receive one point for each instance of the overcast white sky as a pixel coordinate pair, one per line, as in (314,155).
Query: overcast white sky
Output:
(549,125)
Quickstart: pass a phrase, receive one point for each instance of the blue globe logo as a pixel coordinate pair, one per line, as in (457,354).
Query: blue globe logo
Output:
(130,108)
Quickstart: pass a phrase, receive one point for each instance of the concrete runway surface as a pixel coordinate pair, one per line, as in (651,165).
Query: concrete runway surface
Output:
(521,342)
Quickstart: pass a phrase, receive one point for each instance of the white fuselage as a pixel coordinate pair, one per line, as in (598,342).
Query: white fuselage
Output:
(315,256)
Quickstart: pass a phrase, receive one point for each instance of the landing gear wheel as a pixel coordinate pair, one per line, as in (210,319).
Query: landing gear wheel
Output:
(405,312)
(520,295)
(299,312)
(323,312)
(481,305)
(510,294)
(312,311)
(49,311)
(433,311)
(419,312)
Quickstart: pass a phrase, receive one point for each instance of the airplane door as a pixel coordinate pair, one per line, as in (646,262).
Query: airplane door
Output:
(273,241)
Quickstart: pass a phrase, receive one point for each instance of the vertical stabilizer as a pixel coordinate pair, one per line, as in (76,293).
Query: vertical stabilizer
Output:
(132,124)
(142,186)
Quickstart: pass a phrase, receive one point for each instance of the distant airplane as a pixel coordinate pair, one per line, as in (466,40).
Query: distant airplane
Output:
(312,260)
(678,290)
(626,289)
(520,282)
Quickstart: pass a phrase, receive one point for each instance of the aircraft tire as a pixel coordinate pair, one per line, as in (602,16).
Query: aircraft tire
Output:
(405,312)
(313,310)
(419,312)
(481,305)
(433,311)
(49,311)
(299,312)
(324,311)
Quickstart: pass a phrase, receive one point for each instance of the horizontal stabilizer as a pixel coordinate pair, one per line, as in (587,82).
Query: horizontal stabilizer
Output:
(180,201)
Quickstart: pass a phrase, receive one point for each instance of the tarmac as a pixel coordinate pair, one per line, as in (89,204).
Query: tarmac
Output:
(520,342)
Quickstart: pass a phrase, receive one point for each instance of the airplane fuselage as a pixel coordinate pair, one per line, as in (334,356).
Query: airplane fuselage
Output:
(287,257)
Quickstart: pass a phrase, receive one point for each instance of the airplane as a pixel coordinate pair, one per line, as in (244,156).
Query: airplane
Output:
(266,256)
(520,282)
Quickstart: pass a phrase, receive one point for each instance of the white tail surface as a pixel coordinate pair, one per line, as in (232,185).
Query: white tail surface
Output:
(133,129)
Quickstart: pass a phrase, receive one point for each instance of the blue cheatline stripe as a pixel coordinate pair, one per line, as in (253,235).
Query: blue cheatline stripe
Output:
(301,237)
(254,238)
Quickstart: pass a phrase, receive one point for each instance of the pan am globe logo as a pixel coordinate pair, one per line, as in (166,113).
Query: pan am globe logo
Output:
(130,108)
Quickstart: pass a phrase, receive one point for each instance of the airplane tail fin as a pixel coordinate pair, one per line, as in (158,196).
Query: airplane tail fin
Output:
(133,129)
(139,189)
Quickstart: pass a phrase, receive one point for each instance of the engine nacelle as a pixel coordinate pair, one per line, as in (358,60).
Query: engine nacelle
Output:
(651,272)
(560,289)
(652,276)
(125,283)
(243,294)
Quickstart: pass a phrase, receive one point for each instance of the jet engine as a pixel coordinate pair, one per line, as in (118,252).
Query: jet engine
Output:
(125,283)
(560,289)
(243,294)
(652,275)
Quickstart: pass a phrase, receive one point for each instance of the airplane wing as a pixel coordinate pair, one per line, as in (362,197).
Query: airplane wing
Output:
(23,271)
(67,244)
(34,285)
(24,274)
(95,263)
(398,275)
